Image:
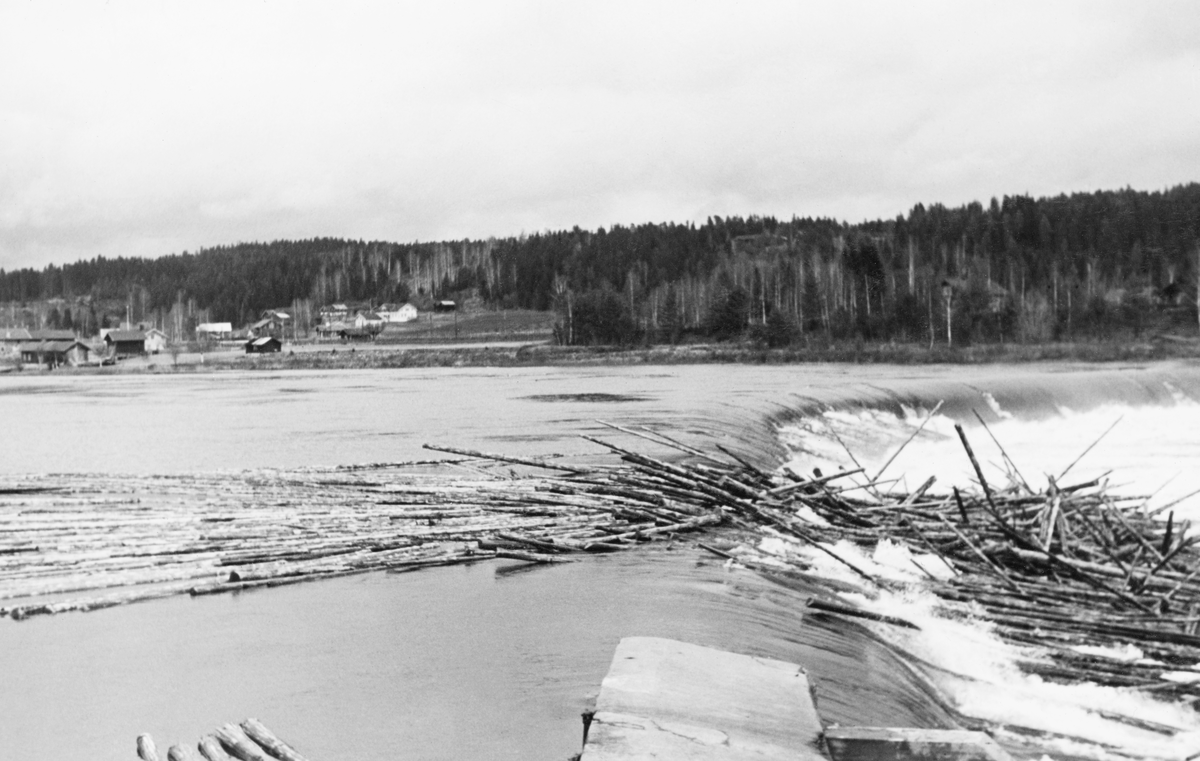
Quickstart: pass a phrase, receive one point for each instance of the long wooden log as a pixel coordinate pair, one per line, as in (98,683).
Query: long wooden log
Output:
(508,459)
(267,739)
(182,753)
(145,748)
(238,745)
(846,610)
(532,557)
(211,749)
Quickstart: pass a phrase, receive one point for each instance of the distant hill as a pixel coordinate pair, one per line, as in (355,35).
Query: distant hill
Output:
(1019,267)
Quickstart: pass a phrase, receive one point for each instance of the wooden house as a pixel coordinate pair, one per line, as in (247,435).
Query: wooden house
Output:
(273,323)
(214,331)
(405,313)
(125,343)
(369,321)
(331,329)
(444,306)
(263,345)
(156,340)
(332,313)
(11,340)
(54,353)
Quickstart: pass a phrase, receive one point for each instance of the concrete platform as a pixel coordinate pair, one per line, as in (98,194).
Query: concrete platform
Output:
(664,699)
(892,744)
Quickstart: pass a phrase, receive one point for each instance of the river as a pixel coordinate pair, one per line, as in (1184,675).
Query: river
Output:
(476,661)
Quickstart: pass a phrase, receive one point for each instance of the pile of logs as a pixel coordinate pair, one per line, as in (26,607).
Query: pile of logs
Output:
(1072,569)
(249,741)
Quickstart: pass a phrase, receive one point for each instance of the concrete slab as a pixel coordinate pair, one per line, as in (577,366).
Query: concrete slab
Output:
(664,699)
(893,744)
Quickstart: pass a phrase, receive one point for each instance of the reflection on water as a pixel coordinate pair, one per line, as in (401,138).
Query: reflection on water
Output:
(447,663)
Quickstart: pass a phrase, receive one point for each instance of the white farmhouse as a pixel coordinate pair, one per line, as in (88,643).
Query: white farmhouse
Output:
(406,313)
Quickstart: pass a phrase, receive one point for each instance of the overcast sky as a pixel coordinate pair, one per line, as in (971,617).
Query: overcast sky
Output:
(151,128)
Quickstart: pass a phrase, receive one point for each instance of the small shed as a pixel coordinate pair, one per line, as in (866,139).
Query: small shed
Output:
(444,306)
(264,345)
(125,343)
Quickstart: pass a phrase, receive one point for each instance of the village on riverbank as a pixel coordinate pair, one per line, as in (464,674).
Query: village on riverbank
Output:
(148,345)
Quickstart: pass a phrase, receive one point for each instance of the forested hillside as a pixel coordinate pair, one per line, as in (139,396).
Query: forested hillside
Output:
(1086,265)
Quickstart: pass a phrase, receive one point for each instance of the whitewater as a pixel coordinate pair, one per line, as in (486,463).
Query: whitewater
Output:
(1143,445)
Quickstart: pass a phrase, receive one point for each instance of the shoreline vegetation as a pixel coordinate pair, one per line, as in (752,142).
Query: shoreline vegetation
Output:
(1068,574)
(1102,266)
(309,356)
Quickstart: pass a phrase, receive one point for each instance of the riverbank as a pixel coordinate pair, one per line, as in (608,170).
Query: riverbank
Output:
(309,356)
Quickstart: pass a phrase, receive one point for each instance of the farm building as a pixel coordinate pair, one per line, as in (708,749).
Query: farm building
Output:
(444,306)
(125,343)
(405,313)
(333,313)
(330,329)
(369,321)
(156,340)
(273,323)
(264,345)
(11,340)
(214,331)
(54,353)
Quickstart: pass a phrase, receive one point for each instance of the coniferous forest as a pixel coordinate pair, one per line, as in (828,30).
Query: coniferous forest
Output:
(1086,266)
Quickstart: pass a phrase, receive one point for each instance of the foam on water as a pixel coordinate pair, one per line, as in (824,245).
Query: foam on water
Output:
(977,672)
(1148,452)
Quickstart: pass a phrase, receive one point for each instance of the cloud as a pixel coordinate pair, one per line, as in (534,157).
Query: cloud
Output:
(142,129)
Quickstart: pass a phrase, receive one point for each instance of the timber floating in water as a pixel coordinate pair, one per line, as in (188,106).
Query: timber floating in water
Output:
(248,741)
(1069,568)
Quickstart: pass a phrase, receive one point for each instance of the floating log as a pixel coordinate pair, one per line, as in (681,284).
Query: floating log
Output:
(506,458)
(182,753)
(847,610)
(145,748)
(211,749)
(239,745)
(251,741)
(256,731)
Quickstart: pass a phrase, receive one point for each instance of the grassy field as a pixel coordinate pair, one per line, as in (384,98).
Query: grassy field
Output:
(441,327)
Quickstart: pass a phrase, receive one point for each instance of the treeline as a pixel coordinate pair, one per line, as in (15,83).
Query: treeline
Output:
(1086,265)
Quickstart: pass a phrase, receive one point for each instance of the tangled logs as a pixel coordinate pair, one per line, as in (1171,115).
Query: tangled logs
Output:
(1067,566)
